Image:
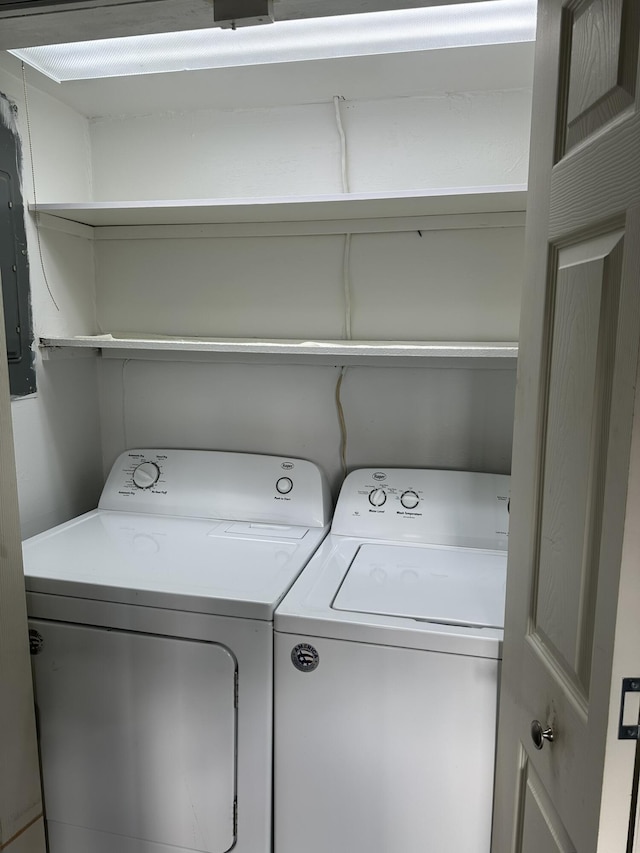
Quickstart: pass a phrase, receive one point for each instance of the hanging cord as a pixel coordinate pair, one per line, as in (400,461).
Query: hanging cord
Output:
(124,403)
(342,422)
(346,256)
(33,181)
(343,143)
(346,279)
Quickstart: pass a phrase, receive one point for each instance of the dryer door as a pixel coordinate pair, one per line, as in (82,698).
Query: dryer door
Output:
(137,737)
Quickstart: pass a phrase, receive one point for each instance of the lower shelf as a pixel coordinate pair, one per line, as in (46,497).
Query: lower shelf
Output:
(334,352)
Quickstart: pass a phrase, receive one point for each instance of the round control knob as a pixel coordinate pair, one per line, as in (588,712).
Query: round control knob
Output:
(284,485)
(146,475)
(377,497)
(409,500)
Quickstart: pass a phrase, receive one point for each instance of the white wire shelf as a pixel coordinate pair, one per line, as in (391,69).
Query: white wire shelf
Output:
(337,352)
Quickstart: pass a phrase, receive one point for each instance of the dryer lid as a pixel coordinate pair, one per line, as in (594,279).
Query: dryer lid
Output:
(218,567)
(453,586)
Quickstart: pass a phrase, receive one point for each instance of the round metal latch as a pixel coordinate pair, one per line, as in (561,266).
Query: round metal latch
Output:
(36,641)
(539,735)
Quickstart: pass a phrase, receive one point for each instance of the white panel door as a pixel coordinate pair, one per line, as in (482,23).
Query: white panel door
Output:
(137,740)
(571,611)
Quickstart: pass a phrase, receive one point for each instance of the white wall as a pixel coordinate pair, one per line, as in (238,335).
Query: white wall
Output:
(57,443)
(56,430)
(446,284)
(395,416)
(456,284)
(464,139)
(455,139)
(452,284)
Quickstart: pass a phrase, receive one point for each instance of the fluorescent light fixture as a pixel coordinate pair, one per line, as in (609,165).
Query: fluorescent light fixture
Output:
(432,28)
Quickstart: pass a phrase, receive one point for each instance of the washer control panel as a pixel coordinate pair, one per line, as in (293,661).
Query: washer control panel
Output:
(218,484)
(425,505)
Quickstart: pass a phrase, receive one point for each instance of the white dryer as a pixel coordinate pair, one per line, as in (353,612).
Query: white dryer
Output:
(151,624)
(387,659)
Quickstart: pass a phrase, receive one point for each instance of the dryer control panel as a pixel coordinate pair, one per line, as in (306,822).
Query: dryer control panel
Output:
(425,505)
(218,484)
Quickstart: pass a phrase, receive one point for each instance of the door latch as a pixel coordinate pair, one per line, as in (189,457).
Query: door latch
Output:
(626,731)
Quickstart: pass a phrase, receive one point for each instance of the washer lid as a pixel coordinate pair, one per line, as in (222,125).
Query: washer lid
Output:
(453,586)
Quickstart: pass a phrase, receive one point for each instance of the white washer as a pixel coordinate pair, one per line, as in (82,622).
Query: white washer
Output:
(151,629)
(387,657)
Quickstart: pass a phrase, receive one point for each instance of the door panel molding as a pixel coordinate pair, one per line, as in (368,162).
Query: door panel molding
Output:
(613,166)
(539,819)
(573,692)
(582,319)
(599,80)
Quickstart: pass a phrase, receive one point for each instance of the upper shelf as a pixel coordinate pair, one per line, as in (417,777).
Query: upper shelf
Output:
(461,200)
(336,352)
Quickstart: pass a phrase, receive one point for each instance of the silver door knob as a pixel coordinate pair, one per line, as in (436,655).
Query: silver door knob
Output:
(539,735)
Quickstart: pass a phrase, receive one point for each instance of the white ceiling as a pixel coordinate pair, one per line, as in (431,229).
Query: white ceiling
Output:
(469,69)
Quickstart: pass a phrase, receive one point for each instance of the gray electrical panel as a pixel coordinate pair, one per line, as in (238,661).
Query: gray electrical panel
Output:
(14,270)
